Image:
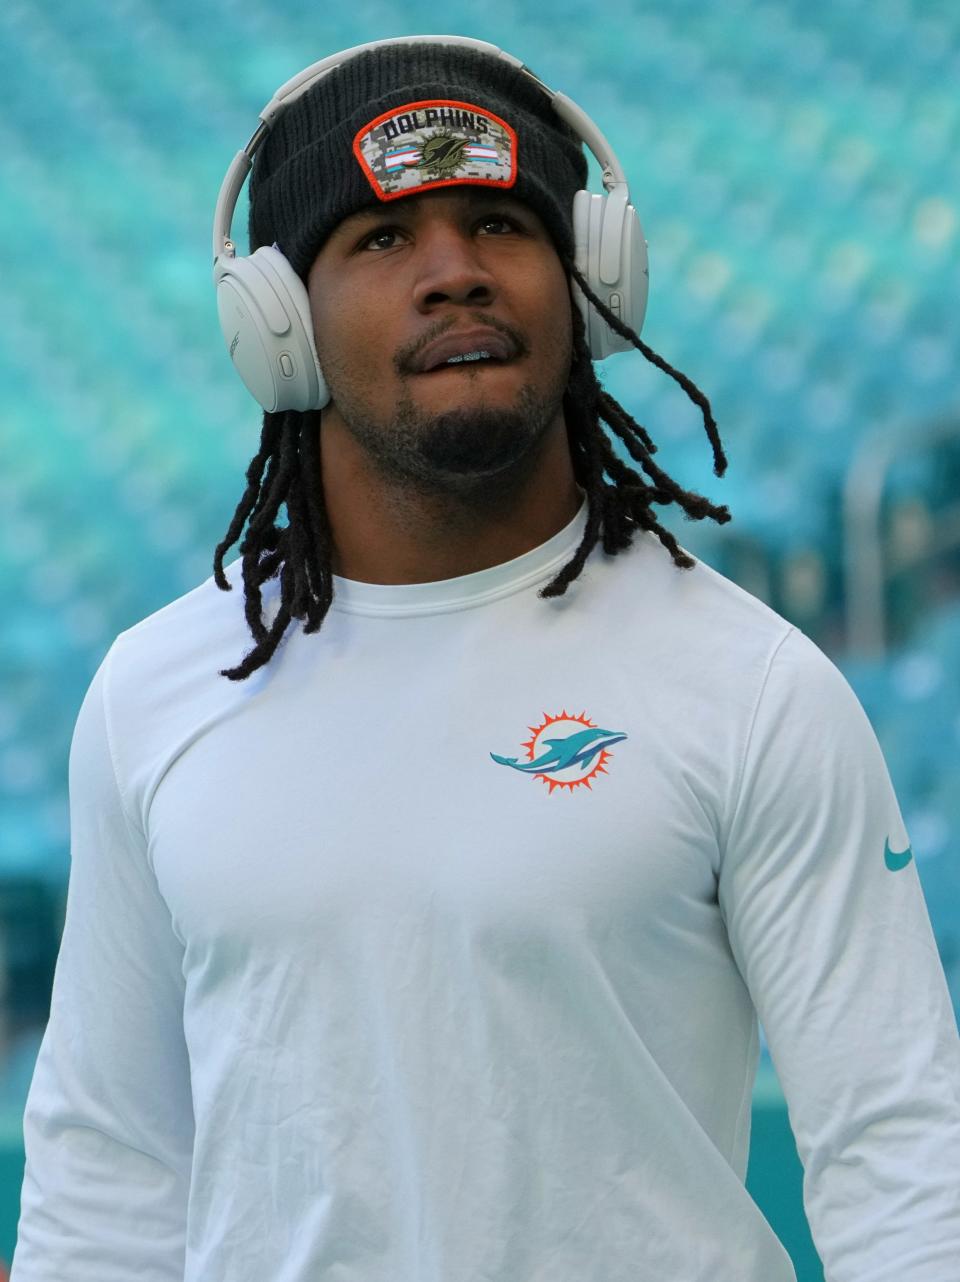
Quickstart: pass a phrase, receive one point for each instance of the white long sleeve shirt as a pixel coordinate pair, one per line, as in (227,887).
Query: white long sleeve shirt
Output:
(434,950)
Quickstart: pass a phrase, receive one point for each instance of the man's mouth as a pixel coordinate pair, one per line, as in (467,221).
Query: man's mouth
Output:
(471,360)
(469,348)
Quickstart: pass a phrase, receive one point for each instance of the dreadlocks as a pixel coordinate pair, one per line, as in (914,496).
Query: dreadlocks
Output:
(300,552)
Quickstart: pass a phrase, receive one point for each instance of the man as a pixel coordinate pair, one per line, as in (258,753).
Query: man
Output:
(431,948)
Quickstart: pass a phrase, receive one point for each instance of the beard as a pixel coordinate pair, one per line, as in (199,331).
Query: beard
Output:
(480,455)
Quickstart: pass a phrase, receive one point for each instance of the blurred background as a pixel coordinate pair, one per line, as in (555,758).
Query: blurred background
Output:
(795,166)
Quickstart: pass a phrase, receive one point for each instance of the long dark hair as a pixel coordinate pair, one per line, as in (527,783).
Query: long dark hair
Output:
(300,552)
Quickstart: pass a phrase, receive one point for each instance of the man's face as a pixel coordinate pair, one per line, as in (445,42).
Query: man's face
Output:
(393,286)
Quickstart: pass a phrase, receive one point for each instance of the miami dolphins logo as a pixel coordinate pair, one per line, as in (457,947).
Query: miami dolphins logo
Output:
(442,154)
(565,751)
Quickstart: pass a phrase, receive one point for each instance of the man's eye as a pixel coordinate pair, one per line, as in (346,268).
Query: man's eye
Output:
(501,218)
(385,237)
(381,234)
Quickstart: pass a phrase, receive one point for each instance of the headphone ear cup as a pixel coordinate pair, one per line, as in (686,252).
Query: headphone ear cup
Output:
(600,222)
(581,240)
(265,317)
(635,272)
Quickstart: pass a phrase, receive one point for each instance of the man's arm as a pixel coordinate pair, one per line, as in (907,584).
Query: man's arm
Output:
(108,1126)
(837,950)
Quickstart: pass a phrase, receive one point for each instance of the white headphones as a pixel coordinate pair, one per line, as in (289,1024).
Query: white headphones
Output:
(263,304)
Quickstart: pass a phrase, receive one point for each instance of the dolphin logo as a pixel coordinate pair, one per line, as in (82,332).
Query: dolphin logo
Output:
(444,152)
(579,748)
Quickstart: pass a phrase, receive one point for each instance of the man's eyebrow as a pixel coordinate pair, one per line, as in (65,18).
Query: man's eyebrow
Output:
(358,215)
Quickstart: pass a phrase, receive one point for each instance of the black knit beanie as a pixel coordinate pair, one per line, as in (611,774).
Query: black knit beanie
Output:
(400,120)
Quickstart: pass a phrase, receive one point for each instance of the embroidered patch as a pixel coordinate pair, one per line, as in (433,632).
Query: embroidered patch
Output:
(436,143)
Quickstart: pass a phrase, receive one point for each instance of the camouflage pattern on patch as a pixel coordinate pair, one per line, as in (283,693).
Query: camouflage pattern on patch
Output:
(436,143)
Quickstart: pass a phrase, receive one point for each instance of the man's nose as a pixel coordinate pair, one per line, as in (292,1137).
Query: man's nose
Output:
(452,270)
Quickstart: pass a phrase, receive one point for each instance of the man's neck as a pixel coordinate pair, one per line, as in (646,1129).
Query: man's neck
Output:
(384,532)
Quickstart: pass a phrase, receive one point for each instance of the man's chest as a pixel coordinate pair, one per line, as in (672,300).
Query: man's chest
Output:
(516,821)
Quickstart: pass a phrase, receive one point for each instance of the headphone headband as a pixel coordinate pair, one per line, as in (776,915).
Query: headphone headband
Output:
(613,174)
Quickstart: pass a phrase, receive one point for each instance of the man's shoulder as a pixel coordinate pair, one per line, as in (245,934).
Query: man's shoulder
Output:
(161,678)
(737,640)
(194,624)
(172,658)
(698,609)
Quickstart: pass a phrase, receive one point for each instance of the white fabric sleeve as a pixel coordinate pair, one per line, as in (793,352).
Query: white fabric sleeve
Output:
(108,1124)
(840,959)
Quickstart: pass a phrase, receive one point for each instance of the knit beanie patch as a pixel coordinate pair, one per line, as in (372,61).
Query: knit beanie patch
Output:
(436,143)
(404,119)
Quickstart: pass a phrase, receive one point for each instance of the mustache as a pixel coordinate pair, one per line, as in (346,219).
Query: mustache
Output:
(404,359)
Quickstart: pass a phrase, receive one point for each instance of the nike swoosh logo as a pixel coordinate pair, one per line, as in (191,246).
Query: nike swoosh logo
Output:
(895,860)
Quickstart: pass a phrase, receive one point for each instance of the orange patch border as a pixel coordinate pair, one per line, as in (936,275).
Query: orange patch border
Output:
(440,182)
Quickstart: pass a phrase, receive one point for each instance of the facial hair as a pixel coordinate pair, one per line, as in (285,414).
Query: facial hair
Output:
(481,455)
